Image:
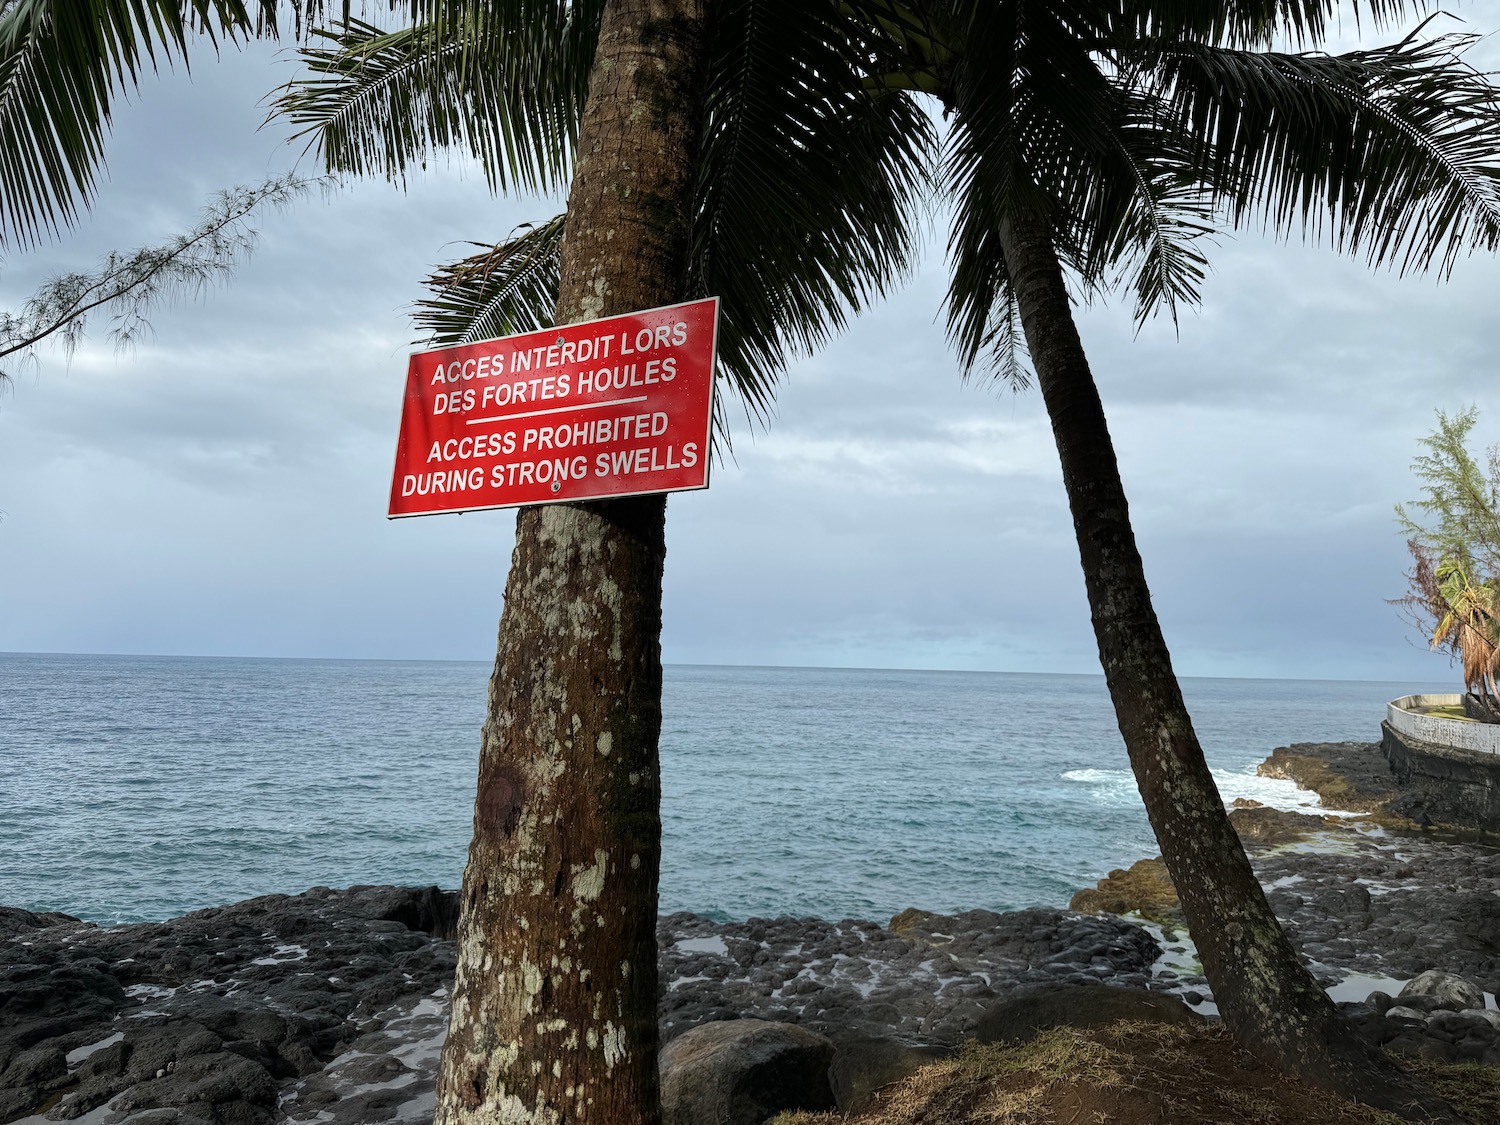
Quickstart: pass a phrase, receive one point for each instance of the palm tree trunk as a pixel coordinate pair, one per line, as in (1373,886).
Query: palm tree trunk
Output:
(1266,997)
(554,1002)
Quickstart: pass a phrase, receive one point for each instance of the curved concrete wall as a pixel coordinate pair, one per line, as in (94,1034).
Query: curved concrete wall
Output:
(1456,734)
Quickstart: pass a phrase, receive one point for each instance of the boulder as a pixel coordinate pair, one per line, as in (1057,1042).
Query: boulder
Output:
(1379,1001)
(912,921)
(1145,888)
(1263,825)
(1020,1018)
(235,1088)
(14,920)
(1402,1012)
(741,1072)
(18,1101)
(865,1064)
(1449,990)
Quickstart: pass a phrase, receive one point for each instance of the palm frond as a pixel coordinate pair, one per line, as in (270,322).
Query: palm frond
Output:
(507,288)
(1259,24)
(1134,215)
(1396,150)
(807,185)
(504,82)
(1035,119)
(983,317)
(910,44)
(62,63)
(1031,105)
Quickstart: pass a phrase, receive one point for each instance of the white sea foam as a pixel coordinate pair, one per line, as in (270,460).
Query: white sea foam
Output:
(1115,788)
(1111,788)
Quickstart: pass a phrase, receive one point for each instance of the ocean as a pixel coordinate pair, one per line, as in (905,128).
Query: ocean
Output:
(139,788)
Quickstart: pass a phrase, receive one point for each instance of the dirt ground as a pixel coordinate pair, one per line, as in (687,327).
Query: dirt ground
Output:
(1137,1074)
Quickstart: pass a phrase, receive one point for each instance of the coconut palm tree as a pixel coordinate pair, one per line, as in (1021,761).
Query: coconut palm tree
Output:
(683,131)
(1093,145)
(554,999)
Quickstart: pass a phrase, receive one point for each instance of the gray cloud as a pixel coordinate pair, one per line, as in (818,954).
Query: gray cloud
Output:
(222,488)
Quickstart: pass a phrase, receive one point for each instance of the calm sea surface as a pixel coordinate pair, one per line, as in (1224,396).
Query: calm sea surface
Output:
(137,788)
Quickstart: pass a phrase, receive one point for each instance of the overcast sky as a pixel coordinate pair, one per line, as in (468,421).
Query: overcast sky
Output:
(221,489)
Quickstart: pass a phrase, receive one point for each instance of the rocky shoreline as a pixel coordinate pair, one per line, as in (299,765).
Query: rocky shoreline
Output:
(330,1006)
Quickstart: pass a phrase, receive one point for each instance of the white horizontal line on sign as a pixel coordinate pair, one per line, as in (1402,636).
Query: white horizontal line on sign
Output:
(556,410)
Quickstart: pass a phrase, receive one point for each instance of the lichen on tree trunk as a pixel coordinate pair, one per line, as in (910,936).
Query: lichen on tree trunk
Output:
(554,1004)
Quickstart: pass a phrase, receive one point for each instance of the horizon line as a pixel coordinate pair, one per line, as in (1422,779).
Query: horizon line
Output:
(686,664)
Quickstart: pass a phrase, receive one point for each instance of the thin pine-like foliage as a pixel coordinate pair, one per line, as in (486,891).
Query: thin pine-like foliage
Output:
(129,285)
(1453,534)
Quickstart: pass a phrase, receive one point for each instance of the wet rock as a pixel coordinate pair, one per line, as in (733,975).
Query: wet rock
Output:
(1345,775)
(14,920)
(911,919)
(1144,889)
(1348,901)
(207,1017)
(18,1101)
(843,978)
(1270,827)
(1447,990)
(1477,923)
(1402,1012)
(40,1067)
(741,1072)
(231,1087)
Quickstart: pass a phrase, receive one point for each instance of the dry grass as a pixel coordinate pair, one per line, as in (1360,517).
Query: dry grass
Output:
(1472,1090)
(1137,1074)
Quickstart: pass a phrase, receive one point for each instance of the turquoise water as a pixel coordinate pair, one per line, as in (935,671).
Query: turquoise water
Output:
(135,788)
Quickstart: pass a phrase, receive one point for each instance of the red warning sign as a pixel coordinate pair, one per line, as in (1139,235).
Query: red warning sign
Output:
(616,407)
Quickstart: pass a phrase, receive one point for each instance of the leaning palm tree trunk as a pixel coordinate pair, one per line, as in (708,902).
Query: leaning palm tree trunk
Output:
(554,1003)
(1265,996)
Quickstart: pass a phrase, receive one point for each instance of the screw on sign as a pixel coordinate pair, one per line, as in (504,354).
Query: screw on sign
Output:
(614,407)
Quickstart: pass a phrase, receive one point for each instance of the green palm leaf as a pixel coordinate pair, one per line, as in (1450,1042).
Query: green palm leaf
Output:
(502,82)
(806,189)
(1395,151)
(62,62)
(1134,216)
(1256,23)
